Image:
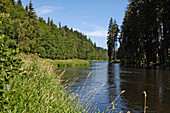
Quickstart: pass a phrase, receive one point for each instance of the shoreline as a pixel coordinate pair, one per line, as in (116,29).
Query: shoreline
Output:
(69,63)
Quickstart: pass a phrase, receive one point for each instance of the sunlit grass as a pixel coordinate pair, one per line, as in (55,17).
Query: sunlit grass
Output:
(69,63)
(115,61)
(40,91)
(97,60)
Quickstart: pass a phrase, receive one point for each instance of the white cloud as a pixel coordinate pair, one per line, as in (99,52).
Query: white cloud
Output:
(75,29)
(97,33)
(48,9)
(97,30)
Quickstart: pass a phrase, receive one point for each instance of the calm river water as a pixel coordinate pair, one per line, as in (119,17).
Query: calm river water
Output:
(116,78)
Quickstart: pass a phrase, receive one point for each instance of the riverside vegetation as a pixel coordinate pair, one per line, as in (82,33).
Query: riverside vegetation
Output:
(33,86)
(69,63)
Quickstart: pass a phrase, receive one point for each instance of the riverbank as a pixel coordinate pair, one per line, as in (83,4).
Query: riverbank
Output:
(115,61)
(40,90)
(69,63)
(149,66)
(97,60)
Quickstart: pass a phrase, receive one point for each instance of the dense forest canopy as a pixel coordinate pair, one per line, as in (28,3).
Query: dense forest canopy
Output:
(23,29)
(145,35)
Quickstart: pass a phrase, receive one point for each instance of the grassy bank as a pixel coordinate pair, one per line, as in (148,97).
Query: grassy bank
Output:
(40,91)
(97,60)
(115,61)
(69,63)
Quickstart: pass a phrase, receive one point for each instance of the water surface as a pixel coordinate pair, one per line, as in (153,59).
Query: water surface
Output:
(116,78)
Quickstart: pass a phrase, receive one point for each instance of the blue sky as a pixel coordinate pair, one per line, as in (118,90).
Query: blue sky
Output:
(91,17)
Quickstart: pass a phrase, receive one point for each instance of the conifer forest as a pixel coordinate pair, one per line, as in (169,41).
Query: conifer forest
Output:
(23,29)
(145,33)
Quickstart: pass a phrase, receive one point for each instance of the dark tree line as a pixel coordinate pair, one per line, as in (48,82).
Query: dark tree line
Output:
(145,36)
(31,34)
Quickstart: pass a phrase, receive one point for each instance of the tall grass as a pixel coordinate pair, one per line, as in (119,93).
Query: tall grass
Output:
(40,91)
(69,63)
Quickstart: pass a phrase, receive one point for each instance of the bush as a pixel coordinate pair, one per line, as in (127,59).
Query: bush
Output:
(9,67)
(11,43)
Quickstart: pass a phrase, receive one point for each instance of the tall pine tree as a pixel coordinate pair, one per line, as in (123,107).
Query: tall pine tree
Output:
(13,2)
(115,39)
(26,8)
(19,3)
(48,21)
(112,39)
(31,11)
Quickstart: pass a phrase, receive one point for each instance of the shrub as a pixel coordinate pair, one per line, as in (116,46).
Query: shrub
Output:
(9,67)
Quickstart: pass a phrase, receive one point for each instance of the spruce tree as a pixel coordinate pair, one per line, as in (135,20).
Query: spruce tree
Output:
(48,21)
(115,39)
(13,2)
(26,8)
(19,3)
(112,39)
(59,25)
(52,22)
(31,11)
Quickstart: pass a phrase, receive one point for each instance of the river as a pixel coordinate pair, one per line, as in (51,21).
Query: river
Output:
(110,80)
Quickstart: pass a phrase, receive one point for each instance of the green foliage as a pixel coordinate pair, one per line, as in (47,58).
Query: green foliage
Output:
(115,61)
(31,12)
(11,44)
(70,63)
(41,90)
(19,3)
(4,6)
(32,35)
(9,67)
(13,2)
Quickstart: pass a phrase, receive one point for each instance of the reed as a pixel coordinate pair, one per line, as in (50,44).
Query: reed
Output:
(145,95)
(112,104)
